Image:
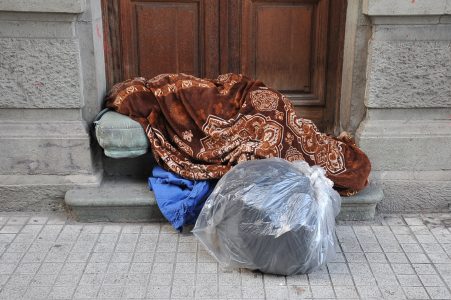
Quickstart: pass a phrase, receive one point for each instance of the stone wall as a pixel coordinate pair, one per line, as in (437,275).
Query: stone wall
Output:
(407,129)
(52,82)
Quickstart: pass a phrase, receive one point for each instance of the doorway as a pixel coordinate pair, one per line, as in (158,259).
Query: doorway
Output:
(294,46)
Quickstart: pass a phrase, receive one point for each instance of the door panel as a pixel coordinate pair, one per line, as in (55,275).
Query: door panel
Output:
(169,37)
(285,44)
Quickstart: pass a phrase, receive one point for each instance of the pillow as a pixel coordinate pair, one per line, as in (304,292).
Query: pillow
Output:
(120,136)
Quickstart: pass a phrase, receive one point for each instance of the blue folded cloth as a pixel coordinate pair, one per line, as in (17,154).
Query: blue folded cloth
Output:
(180,200)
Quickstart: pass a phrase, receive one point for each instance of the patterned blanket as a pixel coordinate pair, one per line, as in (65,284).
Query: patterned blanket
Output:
(199,128)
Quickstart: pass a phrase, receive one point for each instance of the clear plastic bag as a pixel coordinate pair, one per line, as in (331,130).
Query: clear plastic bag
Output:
(271,215)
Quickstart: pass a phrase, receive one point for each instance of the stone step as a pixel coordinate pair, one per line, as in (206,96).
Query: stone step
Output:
(122,199)
(117,199)
(361,207)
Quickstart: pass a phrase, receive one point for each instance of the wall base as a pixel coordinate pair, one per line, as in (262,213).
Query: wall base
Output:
(40,192)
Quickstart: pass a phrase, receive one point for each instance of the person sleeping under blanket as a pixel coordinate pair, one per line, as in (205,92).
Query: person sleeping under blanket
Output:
(200,128)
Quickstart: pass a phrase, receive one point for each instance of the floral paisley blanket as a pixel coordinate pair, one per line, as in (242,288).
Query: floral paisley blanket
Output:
(199,128)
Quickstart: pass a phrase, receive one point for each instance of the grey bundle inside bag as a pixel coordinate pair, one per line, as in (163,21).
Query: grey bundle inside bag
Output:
(271,215)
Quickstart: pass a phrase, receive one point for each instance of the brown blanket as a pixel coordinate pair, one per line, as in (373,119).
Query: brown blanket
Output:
(200,128)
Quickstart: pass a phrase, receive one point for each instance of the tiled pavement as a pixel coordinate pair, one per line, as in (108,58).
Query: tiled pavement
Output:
(51,257)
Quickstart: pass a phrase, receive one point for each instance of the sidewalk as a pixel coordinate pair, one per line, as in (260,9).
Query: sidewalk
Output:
(51,257)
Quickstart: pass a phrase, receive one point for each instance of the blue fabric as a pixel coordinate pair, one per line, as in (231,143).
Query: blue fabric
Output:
(180,200)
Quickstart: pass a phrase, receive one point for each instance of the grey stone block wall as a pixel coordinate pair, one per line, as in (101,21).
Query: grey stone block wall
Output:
(52,81)
(40,73)
(408,69)
(407,129)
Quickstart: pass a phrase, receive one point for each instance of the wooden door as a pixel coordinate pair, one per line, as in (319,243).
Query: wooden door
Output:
(294,46)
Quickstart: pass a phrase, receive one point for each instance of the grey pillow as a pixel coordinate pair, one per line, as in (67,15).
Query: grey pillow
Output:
(120,136)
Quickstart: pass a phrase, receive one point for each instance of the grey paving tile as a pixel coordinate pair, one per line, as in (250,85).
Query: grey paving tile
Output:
(143,257)
(6,238)
(397,257)
(11,257)
(355,257)
(406,238)
(324,291)
(234,291)
(438,292)
(431,280)
(206,279)
(392,292)
(339,257)
(140,267)
(86,291)
(253,292)
(376,257)
(202,267)
(3,279)
(96,268)
(346,292)
(438,257)
(115,279)
(188,279)
(78,256)
(134,292)
(37,292)
(299,292)
(413,220)
(409,280)
(68,279)
(179,267)
(412,248)
(444,269)
(367,292)
(341,279)
(337,268)
(110,292)
(371,247)
(319,279)
(168,257)
(393,220)
(424,269)
(7,268)
(27,268)
(150,228)
(138,279)
(118,267)
(109,228)
(415,293)
(11,229)
(18,247)
(426,238)
(19,281)
(44,279)
(158,291)
(299,280)
(400,229)
(276,292)
(403,269)
(91,279)
(417,258)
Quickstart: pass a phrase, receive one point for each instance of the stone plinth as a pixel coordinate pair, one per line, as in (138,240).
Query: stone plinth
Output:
(407,129)
(51,82)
